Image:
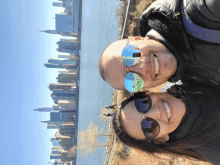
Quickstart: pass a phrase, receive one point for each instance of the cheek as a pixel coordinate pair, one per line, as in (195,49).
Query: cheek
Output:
(131,118)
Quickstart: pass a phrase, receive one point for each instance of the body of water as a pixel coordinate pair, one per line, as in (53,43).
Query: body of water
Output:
(99,29)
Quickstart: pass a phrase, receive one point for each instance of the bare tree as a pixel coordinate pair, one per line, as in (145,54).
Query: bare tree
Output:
(87,140)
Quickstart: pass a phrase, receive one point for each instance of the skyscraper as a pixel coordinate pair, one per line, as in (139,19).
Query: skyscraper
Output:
(61,116)
(49,65)
(52,126)
(54,156)
(57,4)
(62,62)
(44,109)
(60,33)
(67,78)
(60,66)
(64,56)
(66,86)
(64,23)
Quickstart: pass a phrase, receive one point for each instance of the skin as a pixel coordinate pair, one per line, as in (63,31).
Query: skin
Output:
(115,70)
(131,121)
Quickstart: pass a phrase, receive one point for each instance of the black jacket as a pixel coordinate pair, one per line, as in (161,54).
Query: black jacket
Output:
(198,60)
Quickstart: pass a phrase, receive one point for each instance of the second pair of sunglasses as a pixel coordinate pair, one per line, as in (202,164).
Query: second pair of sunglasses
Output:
(149,126)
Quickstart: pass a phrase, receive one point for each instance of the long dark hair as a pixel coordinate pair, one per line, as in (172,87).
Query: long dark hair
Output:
(204,127)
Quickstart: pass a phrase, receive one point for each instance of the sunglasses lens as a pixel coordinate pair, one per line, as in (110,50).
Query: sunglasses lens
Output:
(133,82)
(130,55)
(150,127)
(143,104)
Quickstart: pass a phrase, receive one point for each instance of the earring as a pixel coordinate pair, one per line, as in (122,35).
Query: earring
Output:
(166,139)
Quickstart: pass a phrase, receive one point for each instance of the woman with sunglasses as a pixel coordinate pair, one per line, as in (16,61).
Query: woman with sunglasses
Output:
(184,121)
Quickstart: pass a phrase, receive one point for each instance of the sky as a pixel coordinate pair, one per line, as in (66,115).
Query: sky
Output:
(25,79)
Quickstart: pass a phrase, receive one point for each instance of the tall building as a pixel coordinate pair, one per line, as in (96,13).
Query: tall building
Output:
(64,156)
(68,49)
(68,23)
(54,148)
(76,15)
(61,92)
(67,11)
(67,143)
(64,56)
(56,152)
(44,109)
(52,126)
(57,98)
(68,66)
(64,4)
(57,4)
(65,61)
(58,123)
(54,156)
(63,71)
(64,49)
(60,33)
(71,108)
(60,66)
(58,162)
(67,78)
(68,46)
(53,86)
(61,116)
(49,65)
(71,56)
(74,55)
(74,40)
(64,23)
(68,104)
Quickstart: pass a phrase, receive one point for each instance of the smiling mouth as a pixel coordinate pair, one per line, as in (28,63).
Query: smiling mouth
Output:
(156,65)
(168,110)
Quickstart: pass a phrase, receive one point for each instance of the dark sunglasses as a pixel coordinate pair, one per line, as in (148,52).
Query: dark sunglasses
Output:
(149,126)
(130,56)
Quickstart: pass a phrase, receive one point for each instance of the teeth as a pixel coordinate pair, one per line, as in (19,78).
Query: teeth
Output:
(156,65)
(168,109)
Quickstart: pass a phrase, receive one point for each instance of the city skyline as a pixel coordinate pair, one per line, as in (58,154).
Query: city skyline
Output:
(27,47)
(26,77)
(64,112)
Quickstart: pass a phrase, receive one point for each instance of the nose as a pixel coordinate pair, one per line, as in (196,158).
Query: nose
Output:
(155,112)
(142,68)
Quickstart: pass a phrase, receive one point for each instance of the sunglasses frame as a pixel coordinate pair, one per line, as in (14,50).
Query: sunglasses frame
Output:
(128,66)
(140,95)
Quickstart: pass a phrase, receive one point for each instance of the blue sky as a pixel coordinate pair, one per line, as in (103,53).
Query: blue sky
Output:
(25,79)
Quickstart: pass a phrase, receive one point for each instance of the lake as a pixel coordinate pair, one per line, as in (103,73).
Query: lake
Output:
(99,29)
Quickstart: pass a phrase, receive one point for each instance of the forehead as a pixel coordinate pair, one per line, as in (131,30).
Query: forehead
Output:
(112,64)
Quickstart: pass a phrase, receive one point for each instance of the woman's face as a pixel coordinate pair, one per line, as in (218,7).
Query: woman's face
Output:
(158,112)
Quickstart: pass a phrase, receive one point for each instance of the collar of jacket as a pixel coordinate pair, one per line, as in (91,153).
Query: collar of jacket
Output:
(167,8)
